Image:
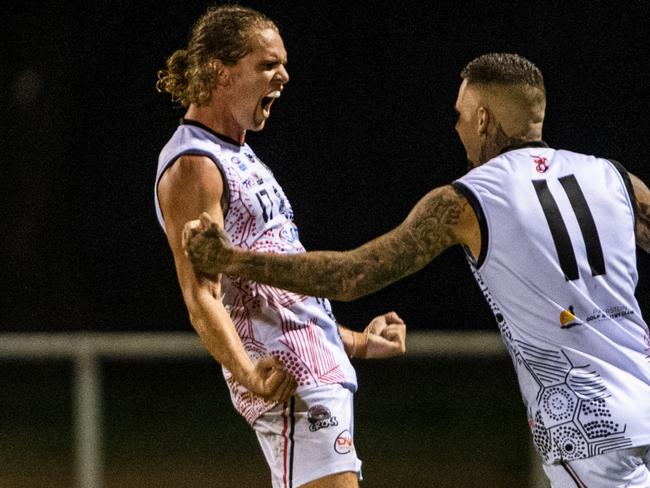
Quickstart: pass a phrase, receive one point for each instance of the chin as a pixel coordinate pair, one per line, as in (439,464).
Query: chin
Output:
(258,125)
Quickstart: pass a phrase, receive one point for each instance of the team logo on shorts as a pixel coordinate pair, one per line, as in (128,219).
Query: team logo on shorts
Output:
(320,417)
(343,443)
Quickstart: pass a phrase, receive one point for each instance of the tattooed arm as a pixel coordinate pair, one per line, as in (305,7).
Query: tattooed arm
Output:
(642,194)
(439,220)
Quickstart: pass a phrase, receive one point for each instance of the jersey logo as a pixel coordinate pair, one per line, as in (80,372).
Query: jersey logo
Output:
(567,319)
(289,232)
(541,164)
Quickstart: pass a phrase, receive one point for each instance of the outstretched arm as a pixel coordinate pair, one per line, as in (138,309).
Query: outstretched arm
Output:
(642,194)
(440,219)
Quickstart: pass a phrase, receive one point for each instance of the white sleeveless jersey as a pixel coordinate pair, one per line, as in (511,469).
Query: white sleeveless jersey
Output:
(298,329)
(558,268)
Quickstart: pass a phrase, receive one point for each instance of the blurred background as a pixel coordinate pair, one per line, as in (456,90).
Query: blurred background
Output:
(363,130)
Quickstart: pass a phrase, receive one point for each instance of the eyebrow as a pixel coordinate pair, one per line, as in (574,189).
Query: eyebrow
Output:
(272,58)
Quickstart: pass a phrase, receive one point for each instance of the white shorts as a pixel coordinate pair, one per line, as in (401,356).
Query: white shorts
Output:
(629,468)
(309,437)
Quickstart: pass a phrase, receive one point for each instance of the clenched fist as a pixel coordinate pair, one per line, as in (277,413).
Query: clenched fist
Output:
(270,380)
(386,336)
(206,245)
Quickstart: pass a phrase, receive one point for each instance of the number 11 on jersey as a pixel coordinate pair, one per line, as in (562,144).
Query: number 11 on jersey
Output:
(561,238)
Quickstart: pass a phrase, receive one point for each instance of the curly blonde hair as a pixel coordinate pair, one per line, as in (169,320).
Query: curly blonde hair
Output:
(225,33)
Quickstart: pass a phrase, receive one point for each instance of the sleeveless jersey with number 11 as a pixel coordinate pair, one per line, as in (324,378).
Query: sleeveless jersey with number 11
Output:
(298,329)
(558,268)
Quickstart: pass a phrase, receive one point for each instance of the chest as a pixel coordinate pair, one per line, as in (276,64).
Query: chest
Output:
(257,203)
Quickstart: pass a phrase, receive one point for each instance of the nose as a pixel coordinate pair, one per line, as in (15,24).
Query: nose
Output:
(284,74)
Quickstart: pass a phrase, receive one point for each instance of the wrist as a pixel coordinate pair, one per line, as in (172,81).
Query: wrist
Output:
(230,260)
(359,344)
(243,374)
(362,344)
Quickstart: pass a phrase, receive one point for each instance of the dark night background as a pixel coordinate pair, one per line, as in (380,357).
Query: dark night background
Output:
(364,129)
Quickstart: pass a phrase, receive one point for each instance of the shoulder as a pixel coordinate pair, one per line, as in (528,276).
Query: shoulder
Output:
(191,173)
(641,191)
(191,166)
(446,205)
(189,139)
(489,176)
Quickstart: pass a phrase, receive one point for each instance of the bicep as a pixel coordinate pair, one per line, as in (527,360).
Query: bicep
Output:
(642,196)
(192,185)
(439,220)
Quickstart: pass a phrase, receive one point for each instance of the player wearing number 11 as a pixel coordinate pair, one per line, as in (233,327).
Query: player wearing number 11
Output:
(551,238)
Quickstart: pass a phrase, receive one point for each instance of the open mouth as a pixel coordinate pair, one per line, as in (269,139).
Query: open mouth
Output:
(268,100)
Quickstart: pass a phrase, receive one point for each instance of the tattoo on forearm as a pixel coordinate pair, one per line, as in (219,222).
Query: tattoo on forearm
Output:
(427,231)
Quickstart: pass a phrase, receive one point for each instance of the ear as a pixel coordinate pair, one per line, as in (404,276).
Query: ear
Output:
(482,120)
(220,72)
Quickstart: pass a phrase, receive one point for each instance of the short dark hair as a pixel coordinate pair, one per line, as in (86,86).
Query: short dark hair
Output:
(503,69)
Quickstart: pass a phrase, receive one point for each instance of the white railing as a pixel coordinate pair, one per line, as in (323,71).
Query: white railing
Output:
(86,348)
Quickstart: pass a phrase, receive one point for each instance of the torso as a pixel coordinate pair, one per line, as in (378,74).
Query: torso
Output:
(300,330)
(564,298)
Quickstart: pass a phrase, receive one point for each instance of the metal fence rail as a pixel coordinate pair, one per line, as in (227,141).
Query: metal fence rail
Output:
(85,349)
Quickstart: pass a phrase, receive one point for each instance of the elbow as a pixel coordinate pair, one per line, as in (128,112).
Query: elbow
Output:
(347,296)
(194,315)
(344,297)
(195,309)
(200,322)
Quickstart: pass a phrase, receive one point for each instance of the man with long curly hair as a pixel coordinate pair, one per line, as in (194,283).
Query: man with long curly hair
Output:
(285,358)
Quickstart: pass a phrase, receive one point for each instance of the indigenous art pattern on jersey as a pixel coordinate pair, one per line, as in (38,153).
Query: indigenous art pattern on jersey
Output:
(298,329)
(558,268)
(570,397)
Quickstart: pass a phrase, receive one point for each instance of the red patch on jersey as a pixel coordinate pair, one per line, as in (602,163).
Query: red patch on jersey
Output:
(541,164)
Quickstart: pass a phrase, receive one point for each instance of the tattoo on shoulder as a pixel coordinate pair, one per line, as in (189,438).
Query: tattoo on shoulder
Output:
(427,231)
(435,225)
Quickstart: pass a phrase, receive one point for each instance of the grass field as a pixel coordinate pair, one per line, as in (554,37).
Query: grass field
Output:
(419,423)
